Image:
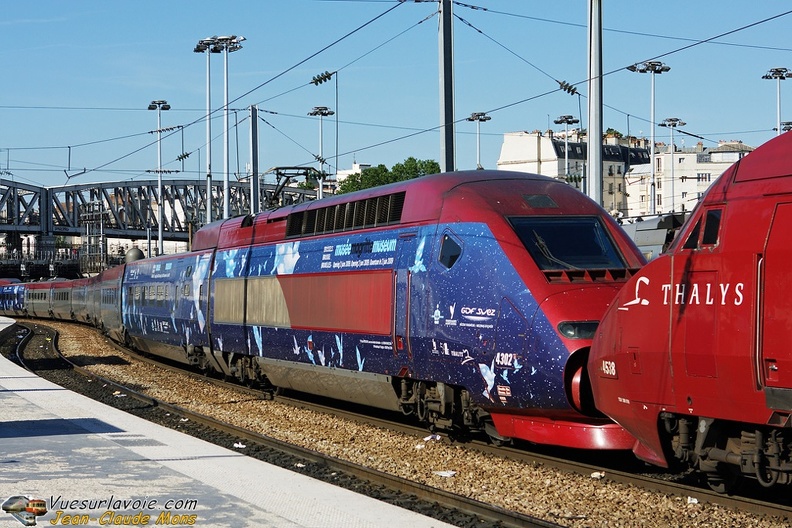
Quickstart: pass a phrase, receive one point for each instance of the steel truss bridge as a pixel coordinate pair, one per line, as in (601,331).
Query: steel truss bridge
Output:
(118,210)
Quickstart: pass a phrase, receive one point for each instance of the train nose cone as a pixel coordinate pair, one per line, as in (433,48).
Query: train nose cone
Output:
(14,504)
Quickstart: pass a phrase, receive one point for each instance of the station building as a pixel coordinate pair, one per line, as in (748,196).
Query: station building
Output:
(682,175)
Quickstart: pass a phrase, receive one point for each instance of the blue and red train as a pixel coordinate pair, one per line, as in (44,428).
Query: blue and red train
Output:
(469,300)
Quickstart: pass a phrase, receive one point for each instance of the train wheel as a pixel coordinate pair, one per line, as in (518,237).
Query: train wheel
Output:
(126,341)
(203,365)
(496,439)
(727,479)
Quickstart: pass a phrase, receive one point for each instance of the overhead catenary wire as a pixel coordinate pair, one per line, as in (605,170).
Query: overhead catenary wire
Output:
(245,94)
(418,131)
(612,30)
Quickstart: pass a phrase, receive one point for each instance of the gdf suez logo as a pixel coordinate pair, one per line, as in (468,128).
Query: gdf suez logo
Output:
(25,509)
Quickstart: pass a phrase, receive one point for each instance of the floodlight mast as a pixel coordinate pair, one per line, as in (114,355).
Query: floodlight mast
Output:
(159,105)
(653,68)
(209,46)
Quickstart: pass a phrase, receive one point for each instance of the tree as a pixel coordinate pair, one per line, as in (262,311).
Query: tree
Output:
(380,175)
(413,168)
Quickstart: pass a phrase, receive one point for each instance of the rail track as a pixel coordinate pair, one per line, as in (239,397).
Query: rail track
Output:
(35,348)
(456,509)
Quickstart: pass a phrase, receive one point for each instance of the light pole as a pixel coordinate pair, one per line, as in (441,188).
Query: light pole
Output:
(208,45)
(159,105)
(654,68)
(322,112)
(672,123)
(566,120)
(779,74)
(227,45)
(316,81)
(478,117)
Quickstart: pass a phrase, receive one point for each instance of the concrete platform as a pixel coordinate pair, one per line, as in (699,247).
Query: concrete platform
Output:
(85,459)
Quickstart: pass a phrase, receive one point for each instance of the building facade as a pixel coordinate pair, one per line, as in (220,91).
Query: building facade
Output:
(682,175)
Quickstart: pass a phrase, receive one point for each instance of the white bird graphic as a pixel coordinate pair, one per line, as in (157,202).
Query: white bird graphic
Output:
(488,373)
(359,359)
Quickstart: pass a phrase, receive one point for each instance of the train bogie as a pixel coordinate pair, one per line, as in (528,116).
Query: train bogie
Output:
(691,358)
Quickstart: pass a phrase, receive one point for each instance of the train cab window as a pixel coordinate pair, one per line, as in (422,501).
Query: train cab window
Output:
(450,250)
(692,239)
(711,221)
(567,242)
(711,228)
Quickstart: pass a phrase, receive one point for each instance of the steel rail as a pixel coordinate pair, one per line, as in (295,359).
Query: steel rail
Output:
(486,512)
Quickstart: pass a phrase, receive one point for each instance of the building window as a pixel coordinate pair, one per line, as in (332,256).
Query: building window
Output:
(659,199)
(703,176)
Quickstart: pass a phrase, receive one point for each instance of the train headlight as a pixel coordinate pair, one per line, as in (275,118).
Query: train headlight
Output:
(578,329)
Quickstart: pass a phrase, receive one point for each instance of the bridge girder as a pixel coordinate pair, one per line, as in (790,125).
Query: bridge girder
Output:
(130,207)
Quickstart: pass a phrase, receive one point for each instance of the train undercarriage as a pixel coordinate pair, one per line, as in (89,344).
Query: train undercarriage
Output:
(438,406)
(728,452)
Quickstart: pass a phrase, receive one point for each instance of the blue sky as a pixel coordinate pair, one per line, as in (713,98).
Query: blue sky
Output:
(81,74)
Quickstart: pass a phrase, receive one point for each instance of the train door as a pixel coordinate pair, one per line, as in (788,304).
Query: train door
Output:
(199,283)
(405,260)
(775,355)
(695,295)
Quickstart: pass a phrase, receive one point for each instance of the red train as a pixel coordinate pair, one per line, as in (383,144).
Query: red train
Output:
(693,356)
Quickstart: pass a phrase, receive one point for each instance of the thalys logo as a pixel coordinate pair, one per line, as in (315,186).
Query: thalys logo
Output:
(25,509)
(690,293)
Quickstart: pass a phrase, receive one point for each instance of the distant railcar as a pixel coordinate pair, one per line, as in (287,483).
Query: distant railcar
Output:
(37,299)
(12,299)
(61,299)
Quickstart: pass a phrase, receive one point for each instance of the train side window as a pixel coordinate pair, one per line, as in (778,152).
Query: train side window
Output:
(692,239)
(711,227)
(450,250)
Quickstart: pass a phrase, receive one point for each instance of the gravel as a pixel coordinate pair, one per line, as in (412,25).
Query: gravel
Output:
(563,498)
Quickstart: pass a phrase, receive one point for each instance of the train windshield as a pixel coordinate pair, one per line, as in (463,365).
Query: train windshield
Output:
(577,242)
